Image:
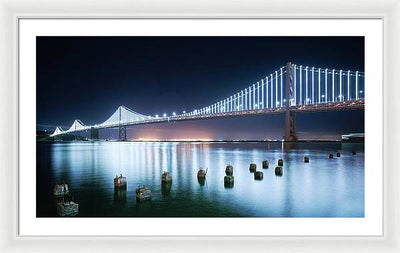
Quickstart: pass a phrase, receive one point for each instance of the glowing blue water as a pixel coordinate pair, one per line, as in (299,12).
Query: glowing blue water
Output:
(322,188)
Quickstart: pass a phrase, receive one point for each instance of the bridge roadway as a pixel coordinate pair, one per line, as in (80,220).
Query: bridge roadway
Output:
(322,107)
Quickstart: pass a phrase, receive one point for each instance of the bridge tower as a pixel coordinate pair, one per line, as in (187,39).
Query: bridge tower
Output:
(122,129)
(290,127)
(94,134)
(122,133)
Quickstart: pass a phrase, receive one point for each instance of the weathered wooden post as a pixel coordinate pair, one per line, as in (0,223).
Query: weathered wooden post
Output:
(119,181)
(202,173)
(253,167)
(258,175)
(166,177)
(142,193)
(229,181)
(229,170)
(278,171)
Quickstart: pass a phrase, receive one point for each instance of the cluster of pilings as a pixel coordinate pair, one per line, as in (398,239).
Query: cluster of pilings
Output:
(331,156)
(143,193)
(259,175)
(67,207)
(229,179)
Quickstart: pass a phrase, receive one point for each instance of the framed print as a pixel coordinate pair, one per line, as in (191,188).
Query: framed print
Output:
(138,163)
(202,130)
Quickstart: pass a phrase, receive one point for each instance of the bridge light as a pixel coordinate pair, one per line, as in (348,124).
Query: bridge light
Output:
(164,115)
(156,115)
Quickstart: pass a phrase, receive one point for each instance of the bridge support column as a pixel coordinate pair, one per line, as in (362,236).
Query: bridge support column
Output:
(290,127)
(77,136)
(94,134)
(58,138)
(122,133)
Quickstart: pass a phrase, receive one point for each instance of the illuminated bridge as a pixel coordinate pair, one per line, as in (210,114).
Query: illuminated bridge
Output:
(290,89)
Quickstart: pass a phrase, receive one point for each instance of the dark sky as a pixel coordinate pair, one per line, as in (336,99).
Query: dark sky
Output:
(87,78)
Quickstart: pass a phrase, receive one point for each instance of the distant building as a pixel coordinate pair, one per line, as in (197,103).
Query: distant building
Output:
(358,137)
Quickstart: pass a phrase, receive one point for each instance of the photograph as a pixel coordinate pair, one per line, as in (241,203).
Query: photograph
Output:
(200,127)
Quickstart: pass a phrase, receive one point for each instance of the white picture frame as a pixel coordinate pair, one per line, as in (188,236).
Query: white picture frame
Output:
(389,12)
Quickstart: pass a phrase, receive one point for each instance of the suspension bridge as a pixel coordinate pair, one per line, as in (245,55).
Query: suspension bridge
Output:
(290,89)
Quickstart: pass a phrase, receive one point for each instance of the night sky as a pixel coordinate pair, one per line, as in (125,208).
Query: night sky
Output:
(87,78)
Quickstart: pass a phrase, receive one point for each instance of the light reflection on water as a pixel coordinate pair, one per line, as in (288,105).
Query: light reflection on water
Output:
(322,188)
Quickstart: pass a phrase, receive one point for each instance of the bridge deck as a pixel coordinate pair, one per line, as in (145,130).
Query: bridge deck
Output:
(322,107)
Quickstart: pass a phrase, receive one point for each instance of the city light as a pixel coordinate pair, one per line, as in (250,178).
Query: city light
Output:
(173,114)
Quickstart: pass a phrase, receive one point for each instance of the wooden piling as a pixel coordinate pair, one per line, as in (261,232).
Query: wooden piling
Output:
(258,175)
(166,177)
(253,167)
(229,170)
(278,171)
(202,173)
(142,193)
(119,181)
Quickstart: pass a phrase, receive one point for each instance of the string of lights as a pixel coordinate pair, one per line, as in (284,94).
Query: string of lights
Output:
(311,86)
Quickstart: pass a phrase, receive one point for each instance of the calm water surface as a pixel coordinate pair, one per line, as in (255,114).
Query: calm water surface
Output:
(322,188)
